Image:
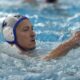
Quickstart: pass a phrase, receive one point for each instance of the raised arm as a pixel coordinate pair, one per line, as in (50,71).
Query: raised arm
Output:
(64,48)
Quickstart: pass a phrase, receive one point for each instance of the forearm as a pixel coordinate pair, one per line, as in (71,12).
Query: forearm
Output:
(62,49)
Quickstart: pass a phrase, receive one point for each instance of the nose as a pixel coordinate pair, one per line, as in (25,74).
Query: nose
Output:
(33,33)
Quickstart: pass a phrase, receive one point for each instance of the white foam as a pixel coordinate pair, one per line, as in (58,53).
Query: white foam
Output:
(73,17)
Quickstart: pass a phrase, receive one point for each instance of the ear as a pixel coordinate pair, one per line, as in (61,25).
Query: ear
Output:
(8,34)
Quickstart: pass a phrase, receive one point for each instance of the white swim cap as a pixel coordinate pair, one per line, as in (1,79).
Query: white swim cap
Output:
(9,27)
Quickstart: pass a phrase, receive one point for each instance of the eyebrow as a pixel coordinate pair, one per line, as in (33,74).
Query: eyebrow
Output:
(28,26)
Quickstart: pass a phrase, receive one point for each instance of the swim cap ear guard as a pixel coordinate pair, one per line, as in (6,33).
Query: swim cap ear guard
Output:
(8,34)
(9,28)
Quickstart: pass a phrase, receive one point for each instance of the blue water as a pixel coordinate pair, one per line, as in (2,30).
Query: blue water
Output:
(53,25)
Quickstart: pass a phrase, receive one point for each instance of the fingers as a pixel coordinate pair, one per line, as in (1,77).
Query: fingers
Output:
(77,37)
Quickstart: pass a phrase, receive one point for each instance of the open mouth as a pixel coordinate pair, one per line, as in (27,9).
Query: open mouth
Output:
(33,40)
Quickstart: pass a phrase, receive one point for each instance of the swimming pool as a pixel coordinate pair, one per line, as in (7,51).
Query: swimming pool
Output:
(53,25)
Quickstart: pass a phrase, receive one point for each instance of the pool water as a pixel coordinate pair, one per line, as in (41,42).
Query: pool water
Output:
(53,25)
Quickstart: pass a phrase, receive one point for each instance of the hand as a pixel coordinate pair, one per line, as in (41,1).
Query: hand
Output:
(76,37)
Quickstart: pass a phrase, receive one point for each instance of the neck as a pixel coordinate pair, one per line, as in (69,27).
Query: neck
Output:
(25,49)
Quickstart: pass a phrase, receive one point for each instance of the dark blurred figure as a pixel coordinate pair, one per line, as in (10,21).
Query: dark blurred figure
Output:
(40,2)
(51,1)
(47,1)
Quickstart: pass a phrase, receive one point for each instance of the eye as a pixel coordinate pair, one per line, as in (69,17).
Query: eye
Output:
(26,28)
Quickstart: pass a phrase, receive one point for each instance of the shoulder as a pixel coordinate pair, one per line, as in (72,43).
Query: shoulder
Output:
(8,49)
